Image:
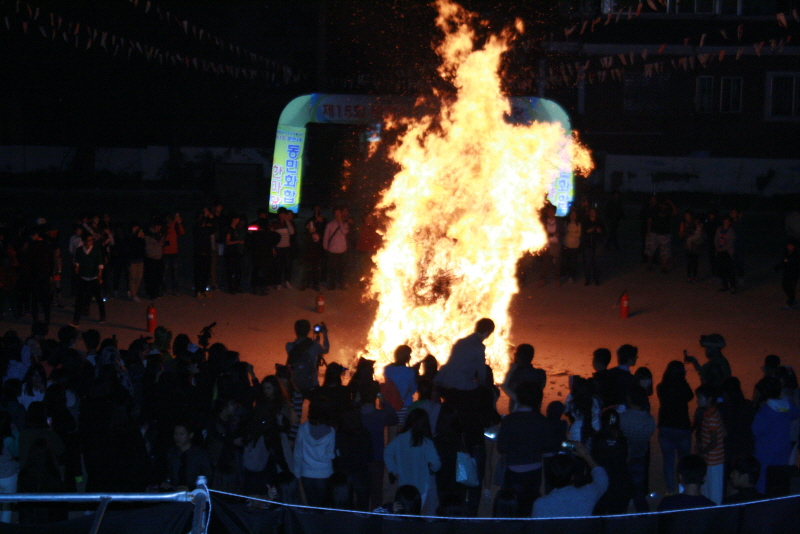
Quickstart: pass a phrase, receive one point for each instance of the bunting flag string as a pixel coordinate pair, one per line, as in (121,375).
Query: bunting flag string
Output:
(687,63)
(82,36)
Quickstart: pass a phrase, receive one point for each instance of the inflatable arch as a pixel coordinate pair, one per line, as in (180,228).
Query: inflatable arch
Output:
(287,162)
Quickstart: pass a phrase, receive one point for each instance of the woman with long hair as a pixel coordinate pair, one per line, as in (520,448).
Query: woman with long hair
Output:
(674,426)
(263,451)
(583,410)
(412,457)
(277,398)
(314,450)
(33,385)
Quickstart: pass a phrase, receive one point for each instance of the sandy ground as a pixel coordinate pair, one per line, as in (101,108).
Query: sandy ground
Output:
(565,324)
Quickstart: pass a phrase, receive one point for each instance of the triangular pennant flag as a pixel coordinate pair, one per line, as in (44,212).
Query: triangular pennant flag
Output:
(782,20)
(795,15)
(568,31)
(724,34)
(639,9)
(652,5)
(739,53)
(608,19)
(88,44)
(583,26)
(622,59)
(147,7)
(686,41)
(630,12)
(36,14)
(661,48)
(43,31)
(740,31)
(630,56)
(757,47)
(644,53)
(702,40)
(618,16)
(721,55)
(703,58)
(185,24)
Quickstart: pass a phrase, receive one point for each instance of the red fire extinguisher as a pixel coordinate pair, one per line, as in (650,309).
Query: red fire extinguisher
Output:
(320,303)
(151,318)
(623,305)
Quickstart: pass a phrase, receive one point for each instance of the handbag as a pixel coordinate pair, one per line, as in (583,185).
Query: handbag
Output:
(466,470)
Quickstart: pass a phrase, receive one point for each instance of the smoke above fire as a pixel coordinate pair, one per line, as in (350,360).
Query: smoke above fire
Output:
(464,206)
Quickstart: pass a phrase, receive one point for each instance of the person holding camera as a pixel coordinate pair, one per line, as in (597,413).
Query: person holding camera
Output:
(567,499)
(305,354)
(717,368)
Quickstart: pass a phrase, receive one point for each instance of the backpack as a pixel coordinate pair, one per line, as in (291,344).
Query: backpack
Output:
(391,395)
(303,371)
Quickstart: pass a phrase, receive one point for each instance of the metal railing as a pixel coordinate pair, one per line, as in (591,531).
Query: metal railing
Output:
(199,498)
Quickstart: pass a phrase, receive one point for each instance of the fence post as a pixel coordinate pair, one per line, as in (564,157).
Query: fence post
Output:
(101,511)
(198,518)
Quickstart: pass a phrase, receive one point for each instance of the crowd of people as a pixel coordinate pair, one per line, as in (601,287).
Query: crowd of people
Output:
(103,258)
(78,411)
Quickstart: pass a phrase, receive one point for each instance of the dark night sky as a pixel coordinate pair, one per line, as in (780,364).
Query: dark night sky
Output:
(55,91)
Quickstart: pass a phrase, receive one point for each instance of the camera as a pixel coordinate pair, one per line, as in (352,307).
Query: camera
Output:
(320,328)
(567,446)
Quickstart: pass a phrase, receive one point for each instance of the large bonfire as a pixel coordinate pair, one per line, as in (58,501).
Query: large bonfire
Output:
(464,207)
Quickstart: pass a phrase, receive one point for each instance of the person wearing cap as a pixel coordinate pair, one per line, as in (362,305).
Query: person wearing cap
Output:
(717,368)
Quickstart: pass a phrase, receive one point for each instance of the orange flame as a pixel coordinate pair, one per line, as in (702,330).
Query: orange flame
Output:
(463,208)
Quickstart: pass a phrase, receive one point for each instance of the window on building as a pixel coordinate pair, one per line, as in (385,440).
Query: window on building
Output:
(784,95)
(730,98)
(704,94)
